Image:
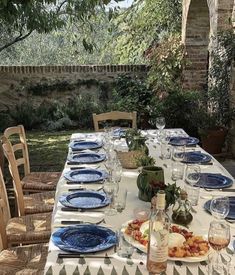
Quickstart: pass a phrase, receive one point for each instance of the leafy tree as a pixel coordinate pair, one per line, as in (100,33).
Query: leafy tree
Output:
(20,18)
(142,25)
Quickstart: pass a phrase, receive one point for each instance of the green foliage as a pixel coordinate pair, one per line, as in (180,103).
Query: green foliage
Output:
(142,25)
(218,97)
(166,62)
(180,109)
(20,18)
(24,113)
(145,161)
(172,194)
(132,94)
(80,109)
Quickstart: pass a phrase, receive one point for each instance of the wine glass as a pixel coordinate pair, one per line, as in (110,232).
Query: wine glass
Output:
(117,174)
(219,207)
(109,188)
(160,123)
(219,238)
(192,174)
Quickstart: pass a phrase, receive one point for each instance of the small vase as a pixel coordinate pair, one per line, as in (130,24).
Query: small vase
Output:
(150,178)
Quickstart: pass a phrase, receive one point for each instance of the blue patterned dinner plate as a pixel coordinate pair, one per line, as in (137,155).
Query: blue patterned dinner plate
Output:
(85,199)
(231,214)
(85,238)
(119,133)
(214,181)
(86,158)
(196,157)
(77,145)
(85,175)
(181,141)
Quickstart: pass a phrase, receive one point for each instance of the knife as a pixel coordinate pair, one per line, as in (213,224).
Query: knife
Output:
(79,209)
(78,255)
(228,190)
(79,222)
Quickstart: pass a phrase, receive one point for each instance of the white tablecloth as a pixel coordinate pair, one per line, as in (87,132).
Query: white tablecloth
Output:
(136,265)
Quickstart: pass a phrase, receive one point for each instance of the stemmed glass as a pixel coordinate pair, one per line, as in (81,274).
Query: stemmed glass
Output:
(219,207)
(160,123)
(109,188)
(117,174)
(219,238)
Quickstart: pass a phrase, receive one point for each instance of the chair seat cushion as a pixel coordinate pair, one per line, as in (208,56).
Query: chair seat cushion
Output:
(29,229)
(39,202)
(44,181)
(28,260)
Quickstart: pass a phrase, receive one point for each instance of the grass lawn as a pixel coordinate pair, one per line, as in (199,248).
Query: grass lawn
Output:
(47,151)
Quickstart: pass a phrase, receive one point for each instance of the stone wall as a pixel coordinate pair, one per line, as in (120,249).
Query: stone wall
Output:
(17,81)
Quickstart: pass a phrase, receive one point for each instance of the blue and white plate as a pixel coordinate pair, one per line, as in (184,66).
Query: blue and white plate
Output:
(231,214)
(85,175)
(181,141)
(119,133)
(214,181)
(85,199)
(196,157)
(85,238)
(86,158)
(77,145)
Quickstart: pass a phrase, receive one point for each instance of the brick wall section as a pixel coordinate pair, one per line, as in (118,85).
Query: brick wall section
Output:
(15,81)
(195,33)
(73,69)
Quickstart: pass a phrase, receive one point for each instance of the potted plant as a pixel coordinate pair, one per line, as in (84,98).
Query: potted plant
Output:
(215,112)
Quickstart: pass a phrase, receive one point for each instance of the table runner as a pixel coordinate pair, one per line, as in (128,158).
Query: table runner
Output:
(135,265)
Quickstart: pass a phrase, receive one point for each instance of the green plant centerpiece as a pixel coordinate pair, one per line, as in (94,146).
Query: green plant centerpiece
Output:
(151,180)
(137,150)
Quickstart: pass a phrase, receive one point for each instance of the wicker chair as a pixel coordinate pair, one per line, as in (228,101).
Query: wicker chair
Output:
(29,259)
(32,181)
(28,204)
(28,229)
(115,115)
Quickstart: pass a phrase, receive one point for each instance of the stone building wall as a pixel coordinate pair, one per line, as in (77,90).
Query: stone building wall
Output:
(17,81)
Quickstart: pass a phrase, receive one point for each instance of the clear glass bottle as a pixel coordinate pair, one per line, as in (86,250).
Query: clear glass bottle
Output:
(158,237)
(181,210)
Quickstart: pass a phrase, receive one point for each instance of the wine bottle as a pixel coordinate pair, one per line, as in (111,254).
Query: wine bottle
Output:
(158,237)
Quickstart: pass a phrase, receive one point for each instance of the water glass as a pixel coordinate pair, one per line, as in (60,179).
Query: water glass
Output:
(120,199)
(193,194)
(177,170)
(178,153)
(219,207)
(192,174)
(124,249)
(165,151)
(221,268)
(109,188)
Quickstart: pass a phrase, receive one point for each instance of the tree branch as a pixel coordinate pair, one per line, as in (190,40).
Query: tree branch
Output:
(17,39)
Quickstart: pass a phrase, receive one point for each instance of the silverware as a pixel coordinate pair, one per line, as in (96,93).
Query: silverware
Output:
(80,222)
(83,188)
(79,255)
(80,210)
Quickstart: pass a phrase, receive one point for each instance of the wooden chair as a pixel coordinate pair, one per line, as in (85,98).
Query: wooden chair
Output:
(29,259)
(30,204)
(31,181)
(115,115)
(28,229)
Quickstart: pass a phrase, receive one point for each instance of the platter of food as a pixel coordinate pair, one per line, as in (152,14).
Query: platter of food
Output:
(184,245)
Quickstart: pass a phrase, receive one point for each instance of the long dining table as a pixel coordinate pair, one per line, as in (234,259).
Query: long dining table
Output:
(112,263)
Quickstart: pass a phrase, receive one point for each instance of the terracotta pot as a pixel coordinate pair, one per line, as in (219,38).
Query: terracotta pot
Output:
(213,140)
